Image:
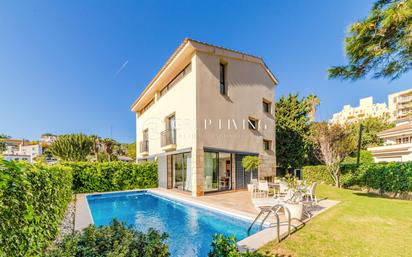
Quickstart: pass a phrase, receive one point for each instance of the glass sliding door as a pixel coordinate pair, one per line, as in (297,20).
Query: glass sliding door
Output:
(211,172)
(182,178)
(225,171)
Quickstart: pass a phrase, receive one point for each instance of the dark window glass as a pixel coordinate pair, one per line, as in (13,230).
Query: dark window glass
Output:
(266,144)
(252,124)
(222,79)
(266,107)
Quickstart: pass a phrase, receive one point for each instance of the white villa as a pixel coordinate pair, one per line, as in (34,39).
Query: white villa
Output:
(400,104)
(365,109)
(206,109)
(397,144)
(18,150)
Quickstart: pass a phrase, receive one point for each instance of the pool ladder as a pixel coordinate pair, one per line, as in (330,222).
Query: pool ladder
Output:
(271,210)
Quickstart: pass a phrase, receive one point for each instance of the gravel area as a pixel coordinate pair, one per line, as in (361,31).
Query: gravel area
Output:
(67,225)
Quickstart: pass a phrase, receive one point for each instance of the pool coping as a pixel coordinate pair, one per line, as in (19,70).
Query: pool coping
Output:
(83,217)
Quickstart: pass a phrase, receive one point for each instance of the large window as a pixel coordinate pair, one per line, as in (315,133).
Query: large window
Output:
(217,171)
(182,173)
(222,79)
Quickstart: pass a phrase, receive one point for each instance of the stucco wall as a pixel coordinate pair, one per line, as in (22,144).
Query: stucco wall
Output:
(247,85)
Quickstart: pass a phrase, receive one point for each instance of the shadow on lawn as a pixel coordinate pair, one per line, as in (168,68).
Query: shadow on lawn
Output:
(384,196)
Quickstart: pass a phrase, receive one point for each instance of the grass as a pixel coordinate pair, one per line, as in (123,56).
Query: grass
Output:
(360,225)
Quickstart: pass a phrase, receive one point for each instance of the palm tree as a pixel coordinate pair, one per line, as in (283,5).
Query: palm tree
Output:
(96,143)
(312,102)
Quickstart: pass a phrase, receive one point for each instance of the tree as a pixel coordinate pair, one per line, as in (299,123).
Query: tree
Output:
(380,44)
(333,143)
(250,163)
(371,128)
(72,147)
(2,143)
(109,147)
(95,145)
(312,102)
(131,150)
(292,128)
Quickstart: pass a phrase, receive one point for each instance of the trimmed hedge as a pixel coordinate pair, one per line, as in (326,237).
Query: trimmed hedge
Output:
(112,176)
(33,200)
(390,177)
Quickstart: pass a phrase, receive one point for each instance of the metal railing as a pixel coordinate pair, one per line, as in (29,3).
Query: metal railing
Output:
(168,137)
(272,210)
(144,146)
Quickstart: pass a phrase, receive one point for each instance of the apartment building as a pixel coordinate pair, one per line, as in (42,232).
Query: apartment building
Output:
(365,109)
(205,110)
(400,104)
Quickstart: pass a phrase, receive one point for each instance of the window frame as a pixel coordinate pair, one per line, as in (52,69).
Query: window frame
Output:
(268,143)
(269,106)
(255,123)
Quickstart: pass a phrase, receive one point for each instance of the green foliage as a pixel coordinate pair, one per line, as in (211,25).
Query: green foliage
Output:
(131,150)
(365,157)
(33,199)
(379,44)
(371,127)
(250,163)
(3,144)
(114,240)
(293,116)
(112,176)
(390,177)
(72,147)
(224,246)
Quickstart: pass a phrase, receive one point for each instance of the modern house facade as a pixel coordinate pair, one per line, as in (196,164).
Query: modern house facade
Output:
(397,144)
(204,111)
(17,149)
(365,109)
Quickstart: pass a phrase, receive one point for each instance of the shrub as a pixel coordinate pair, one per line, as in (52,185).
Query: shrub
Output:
(224,246)
(318,173)
(72,147)
(33,200)
(114,240)
(112,176)
(390,177)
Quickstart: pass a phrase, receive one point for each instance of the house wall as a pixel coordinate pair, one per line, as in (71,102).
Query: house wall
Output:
(247,85)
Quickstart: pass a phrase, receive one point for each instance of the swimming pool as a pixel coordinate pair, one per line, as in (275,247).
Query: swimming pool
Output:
(190,227)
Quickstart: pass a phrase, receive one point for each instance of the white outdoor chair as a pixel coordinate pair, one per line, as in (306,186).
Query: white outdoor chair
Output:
(263,188)
(310,194)
(283,189)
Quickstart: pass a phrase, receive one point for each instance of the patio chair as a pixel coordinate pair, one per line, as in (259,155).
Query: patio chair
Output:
(310,194)
(283,189)
(263,188)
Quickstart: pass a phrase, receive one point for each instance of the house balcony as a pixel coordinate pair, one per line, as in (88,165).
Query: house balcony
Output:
(168,139)
(144,147)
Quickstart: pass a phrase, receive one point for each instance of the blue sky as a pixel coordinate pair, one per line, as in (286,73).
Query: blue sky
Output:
(77,66)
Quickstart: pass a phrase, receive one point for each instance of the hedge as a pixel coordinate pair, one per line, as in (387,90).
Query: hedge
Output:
(33,200)
(91,177)
(390,177)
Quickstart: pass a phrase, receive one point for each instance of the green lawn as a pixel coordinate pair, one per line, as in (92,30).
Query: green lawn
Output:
(360,225)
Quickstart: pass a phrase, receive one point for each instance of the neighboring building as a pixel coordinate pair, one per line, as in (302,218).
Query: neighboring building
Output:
(205,110)
(19,150)
(17,157)
(48,139)
(400,104)
(365,109)
(397,144)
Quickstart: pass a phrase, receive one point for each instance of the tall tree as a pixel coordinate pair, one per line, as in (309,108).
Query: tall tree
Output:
(313,102)
(371,128)
(292,127)
(333,143)
(380,44)
(72,147)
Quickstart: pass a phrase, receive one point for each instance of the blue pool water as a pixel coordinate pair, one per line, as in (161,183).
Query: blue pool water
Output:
(190,228)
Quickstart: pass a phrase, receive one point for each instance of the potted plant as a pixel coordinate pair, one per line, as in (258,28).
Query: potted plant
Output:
(250,163)
(294,203)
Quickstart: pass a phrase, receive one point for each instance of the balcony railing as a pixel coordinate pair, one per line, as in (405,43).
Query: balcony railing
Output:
(144,146)
(168,137)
